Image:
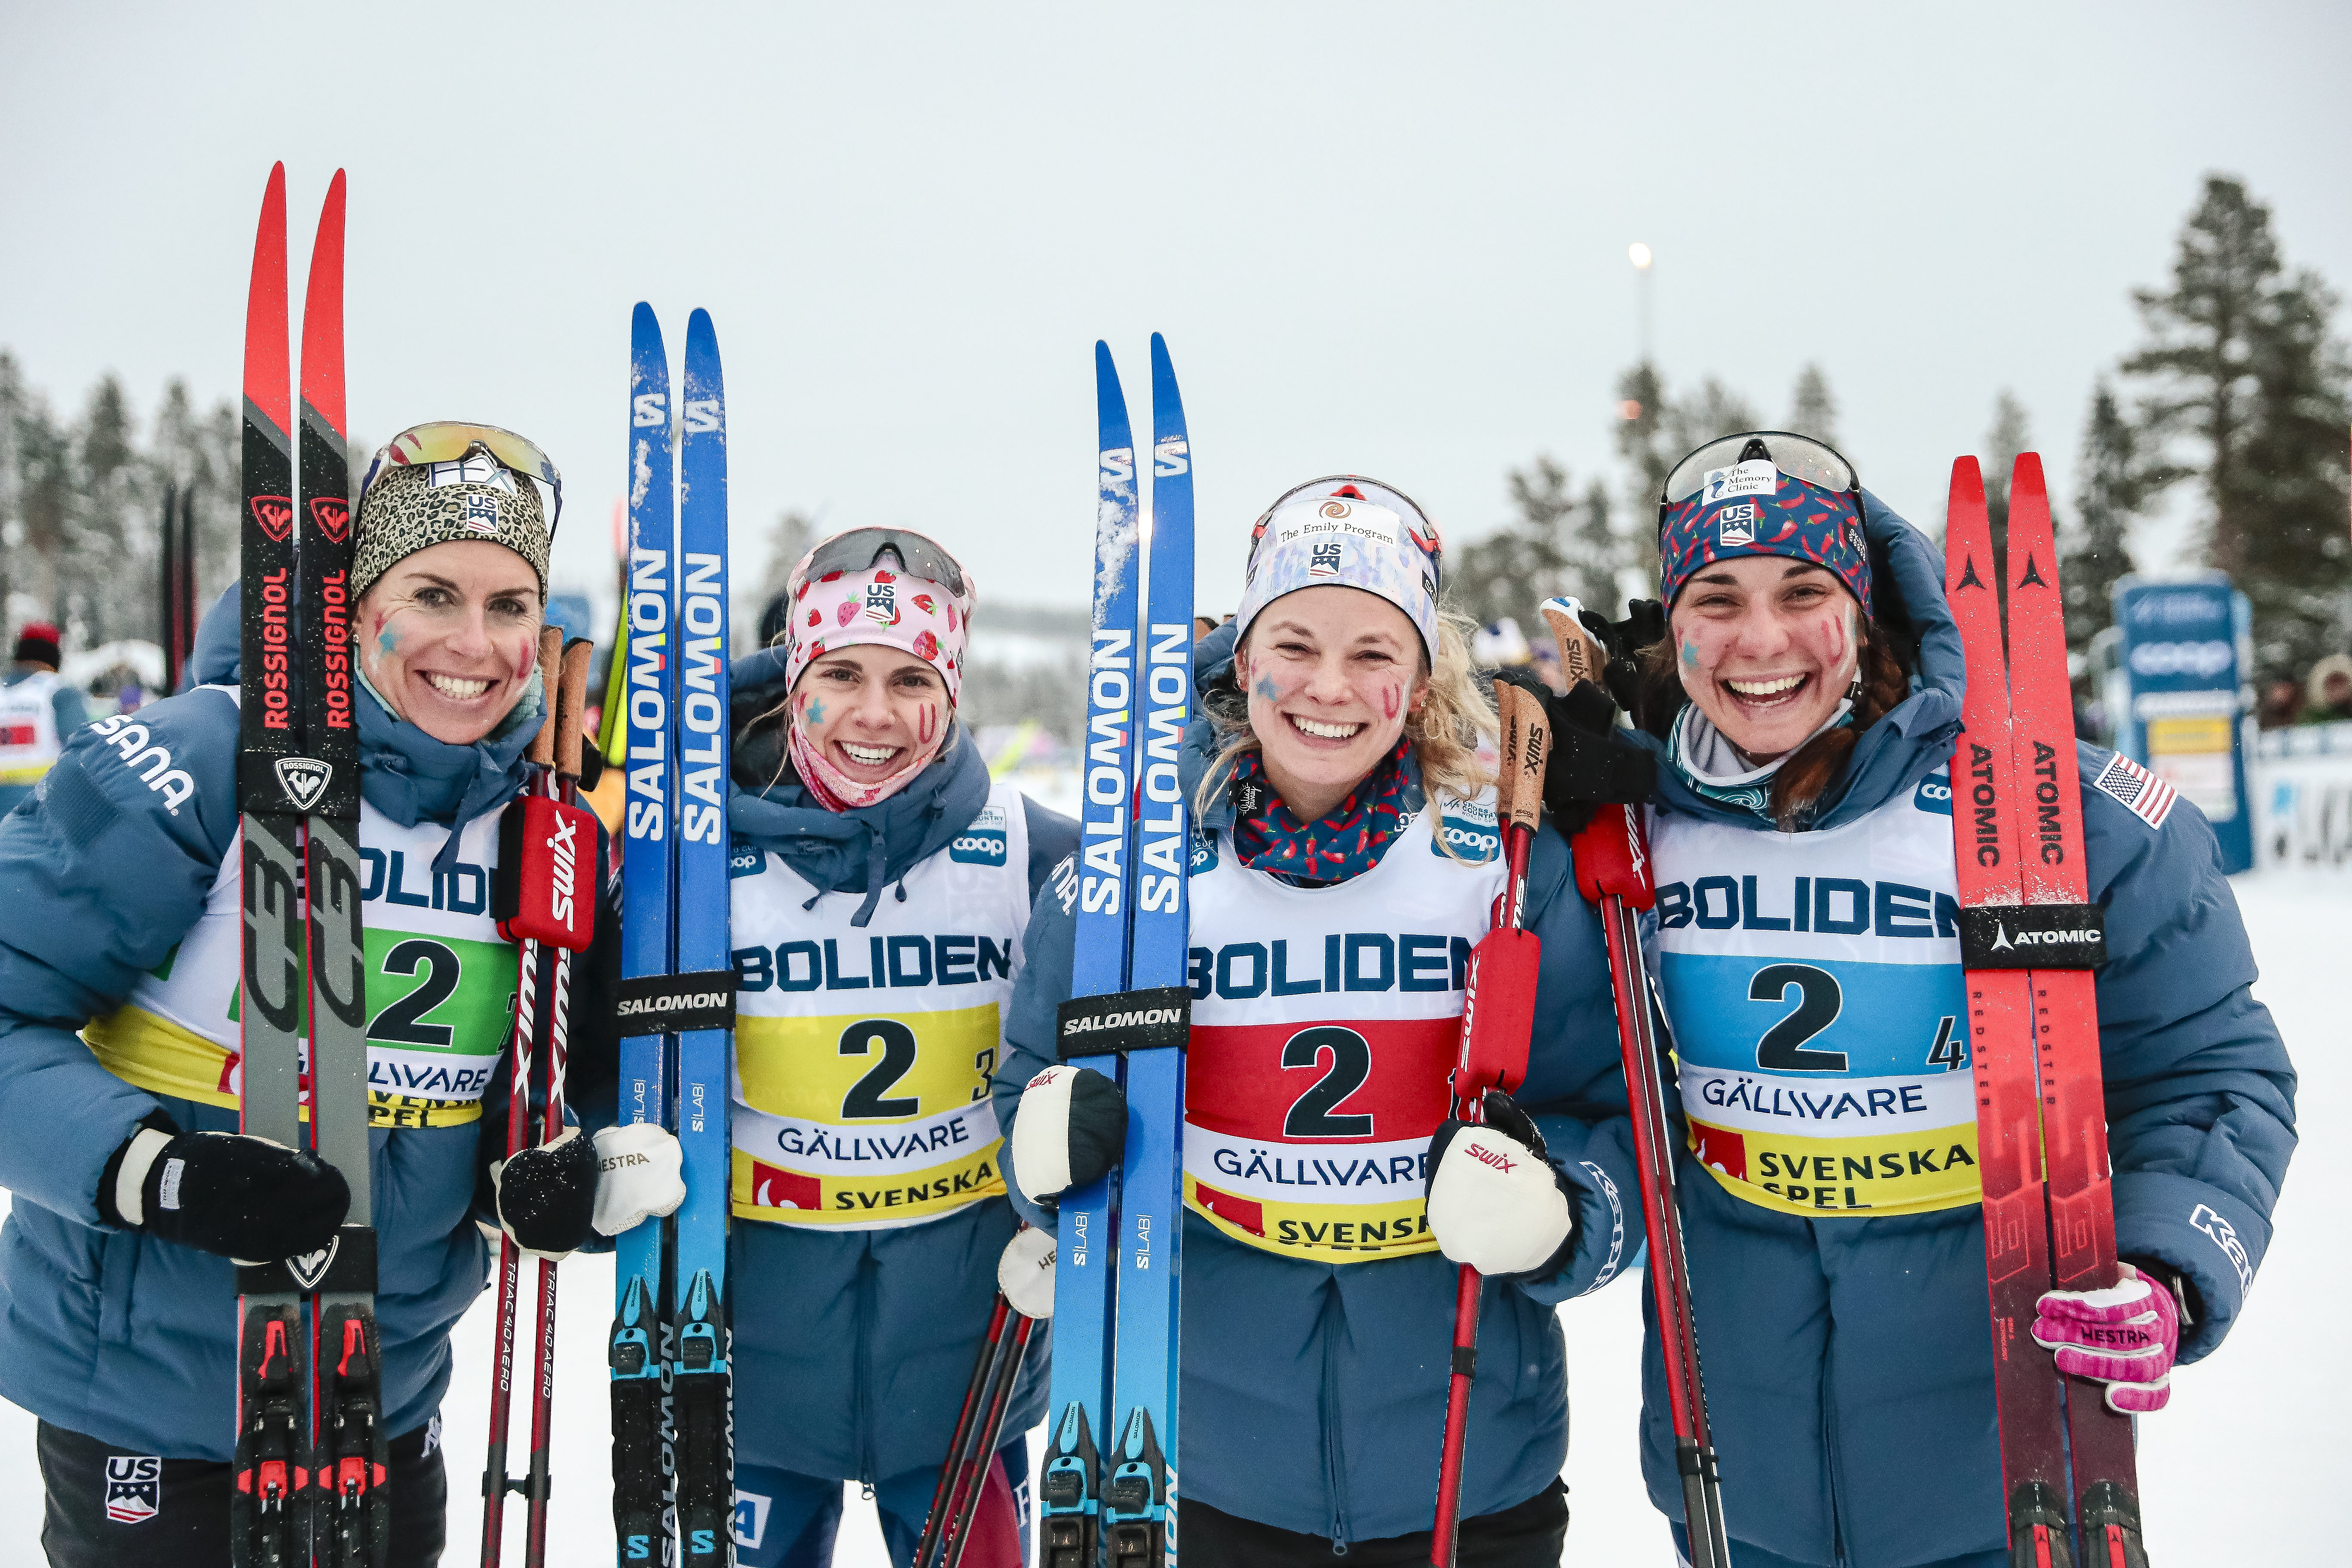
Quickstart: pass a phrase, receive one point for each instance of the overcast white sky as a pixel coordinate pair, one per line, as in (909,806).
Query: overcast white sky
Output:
(1384,238)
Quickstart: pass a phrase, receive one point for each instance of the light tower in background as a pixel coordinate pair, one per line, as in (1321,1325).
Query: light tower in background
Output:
(1639,255)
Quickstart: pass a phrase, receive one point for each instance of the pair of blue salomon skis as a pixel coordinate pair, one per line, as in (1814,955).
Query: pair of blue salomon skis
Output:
(672,1464)
(1111,1490)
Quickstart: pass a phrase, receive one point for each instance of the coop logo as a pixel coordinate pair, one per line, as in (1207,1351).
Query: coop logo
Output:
(1935,794)
(1736,524)
(2204,659)
(1470,831)
(134,1487)
(982,843)
(746,861)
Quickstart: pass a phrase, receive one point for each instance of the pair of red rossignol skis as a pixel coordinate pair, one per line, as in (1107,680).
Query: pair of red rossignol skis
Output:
(310,1466)
(2033,1033)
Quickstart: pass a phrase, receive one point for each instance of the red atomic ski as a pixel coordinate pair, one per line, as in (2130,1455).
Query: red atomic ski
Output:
(2066,1010)
(2000,1049)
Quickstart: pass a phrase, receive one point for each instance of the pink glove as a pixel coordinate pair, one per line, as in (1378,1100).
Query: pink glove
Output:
(2124,1336)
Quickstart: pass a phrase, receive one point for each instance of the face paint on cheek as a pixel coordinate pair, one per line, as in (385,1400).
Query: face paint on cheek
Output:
(927,724)
(1690,653)
(1391,699)
(1266,690)
(811,709)
(387,637)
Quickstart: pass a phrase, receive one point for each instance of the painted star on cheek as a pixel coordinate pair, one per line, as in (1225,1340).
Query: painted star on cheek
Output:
(814,711)
(1690,653)
(1266,689)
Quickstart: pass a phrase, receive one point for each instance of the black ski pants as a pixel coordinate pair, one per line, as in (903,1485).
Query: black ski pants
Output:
(1531,1535)
(108,1508)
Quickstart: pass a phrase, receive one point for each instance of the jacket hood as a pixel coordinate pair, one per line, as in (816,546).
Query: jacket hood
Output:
(857,851)
(404,773)
(1915,738)
(1212,661)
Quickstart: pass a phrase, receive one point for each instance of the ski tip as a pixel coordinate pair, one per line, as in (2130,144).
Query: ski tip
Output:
(698,325)
(1106,375)
(267,381)
(1967,482)
(2026,474)
(323,313)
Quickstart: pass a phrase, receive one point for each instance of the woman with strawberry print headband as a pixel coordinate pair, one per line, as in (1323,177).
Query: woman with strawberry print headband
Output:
(880,887)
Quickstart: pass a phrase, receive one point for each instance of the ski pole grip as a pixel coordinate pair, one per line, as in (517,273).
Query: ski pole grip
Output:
(1612,857)
(1581,657)
(1526,737)
(571,704)
(550,652)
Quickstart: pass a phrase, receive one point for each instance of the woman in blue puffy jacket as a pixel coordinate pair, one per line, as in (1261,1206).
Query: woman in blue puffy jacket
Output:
(879,885)
(1803,704)
(1346,859)
(119,940)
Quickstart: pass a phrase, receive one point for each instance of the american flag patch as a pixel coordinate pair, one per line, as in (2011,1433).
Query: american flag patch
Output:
(2143,795)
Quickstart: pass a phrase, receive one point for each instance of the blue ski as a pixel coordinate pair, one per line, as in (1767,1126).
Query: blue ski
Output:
(1115,1310)
(1070,1491)
(643,1433)
(699,1355)
(1139,1498)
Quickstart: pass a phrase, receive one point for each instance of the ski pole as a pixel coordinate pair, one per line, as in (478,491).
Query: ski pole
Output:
(1612,854)
(569,700)
(496,1483)
(974,1396)
(1497,1016)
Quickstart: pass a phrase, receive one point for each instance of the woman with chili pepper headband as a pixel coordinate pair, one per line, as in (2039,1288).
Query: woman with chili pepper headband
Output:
(880,884)
(1348,858)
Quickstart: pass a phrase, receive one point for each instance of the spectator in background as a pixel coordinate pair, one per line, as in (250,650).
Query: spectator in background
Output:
(2282,701)
(37,710)
(2329,688)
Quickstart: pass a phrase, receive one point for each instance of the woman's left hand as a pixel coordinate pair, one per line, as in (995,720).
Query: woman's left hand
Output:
(1495,1202)
(2124,1336)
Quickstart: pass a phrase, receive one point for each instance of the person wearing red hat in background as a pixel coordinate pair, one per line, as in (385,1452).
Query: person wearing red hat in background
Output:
(37,710)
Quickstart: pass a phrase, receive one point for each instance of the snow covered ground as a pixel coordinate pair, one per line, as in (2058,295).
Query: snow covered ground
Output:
(2242,1468)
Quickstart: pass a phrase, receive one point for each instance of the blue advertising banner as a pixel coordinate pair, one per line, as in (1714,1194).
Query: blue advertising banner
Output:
(2183,662)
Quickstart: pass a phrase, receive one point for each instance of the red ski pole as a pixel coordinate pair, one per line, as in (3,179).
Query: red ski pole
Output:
(1497,1015)
(1612,869)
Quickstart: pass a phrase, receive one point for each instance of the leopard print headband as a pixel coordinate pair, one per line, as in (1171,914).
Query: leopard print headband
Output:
(409,510)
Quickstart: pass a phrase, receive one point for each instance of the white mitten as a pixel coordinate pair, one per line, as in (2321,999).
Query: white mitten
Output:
(637,1176)
(1495,1200)
(1024,1272)
(1072,1127)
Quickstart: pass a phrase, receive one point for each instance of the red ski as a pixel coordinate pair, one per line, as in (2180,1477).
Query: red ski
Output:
(2030,942)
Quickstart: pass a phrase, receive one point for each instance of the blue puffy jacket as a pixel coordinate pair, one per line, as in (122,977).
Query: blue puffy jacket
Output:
(1313,1395)
(111,1332)
(853,1348)
(1848,1361)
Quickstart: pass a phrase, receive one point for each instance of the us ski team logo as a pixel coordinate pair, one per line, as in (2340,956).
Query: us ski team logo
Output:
(481,515)
(304,780)
(1326,558)
(134,1487)
(882,603)
(1736,524)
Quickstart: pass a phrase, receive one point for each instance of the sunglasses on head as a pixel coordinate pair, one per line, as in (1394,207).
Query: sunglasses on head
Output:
(455,440)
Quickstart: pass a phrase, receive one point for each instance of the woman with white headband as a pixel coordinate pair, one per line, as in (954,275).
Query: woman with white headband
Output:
(1348,858)
(880,885)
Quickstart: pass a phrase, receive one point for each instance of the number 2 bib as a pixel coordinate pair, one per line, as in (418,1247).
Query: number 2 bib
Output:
(1814,986)
(1325,1024)
(863,1053)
